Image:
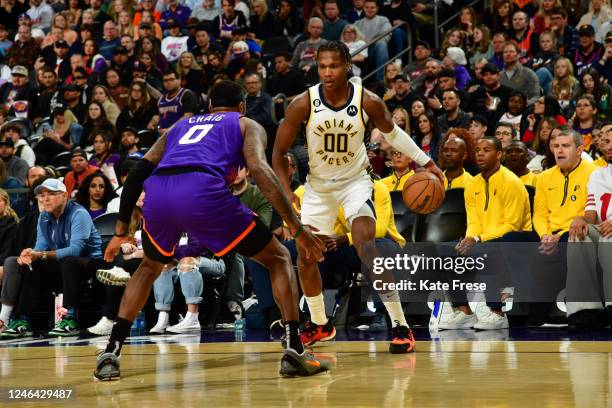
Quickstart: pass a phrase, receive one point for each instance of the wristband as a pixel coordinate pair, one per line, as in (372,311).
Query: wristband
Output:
(298,232)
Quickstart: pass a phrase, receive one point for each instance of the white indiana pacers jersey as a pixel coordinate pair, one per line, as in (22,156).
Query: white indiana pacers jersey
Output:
(335,136)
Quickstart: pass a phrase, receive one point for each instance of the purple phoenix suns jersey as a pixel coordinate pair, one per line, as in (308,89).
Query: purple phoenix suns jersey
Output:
(213,142)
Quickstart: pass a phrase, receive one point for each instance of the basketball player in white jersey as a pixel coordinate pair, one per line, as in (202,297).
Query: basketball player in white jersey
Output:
(583,288)
(336,113)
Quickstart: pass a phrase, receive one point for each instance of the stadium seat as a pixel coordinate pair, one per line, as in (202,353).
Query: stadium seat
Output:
(531,190)
(397,202)
(447,223)
(105,224)
(406,224)
(147,138)
(61,160)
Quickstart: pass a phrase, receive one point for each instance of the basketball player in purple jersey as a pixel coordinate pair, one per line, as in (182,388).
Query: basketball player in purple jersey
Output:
(188,173)
(336,114)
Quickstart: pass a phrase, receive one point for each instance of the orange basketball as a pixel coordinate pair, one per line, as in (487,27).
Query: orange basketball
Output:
(423,193)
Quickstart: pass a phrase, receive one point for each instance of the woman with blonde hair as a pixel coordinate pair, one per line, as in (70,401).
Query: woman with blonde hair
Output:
(354,39)
(124,24)
(599,14)
(453,38)
(391,70)
(400,118)
(190,73)
(564,85)
(60,22)
(482,47)
(102,95)
(262,21)
(8,228)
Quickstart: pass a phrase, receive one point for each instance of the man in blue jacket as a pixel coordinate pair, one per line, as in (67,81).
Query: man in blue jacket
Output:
(67,252)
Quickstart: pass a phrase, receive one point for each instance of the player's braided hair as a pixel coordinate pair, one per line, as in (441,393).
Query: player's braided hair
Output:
(336,46)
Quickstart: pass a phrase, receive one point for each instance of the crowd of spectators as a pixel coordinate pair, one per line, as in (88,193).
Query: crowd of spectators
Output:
(86,86)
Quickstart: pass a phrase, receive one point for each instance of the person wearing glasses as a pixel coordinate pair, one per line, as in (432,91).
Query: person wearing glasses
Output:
(67,251)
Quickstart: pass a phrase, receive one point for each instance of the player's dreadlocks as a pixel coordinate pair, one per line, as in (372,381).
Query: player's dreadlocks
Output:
(336,46)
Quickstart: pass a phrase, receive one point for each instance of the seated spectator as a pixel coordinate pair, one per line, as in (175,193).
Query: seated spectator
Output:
(176,103)
(454,37)
(258,103)
(25,203)
(94,194)
(333,24)
(149,45)
(589,51)
(286,80)
(24,50)
(491,99)
(545,106)
(553,209)
(427,135)
(499,41)
(564,86)
(354,40)
(204,45)
(523,35)
(22,148)
(401,165)
(192,76)
(96,121)
(64,134)
(148,27)
(604,66)
(206,11)
(287,20)
(453,116)
(145,71)
(103,155)
(5,43)
(174,44)
(19,90)
(354,13)
(457,151)
(539,144)
(57,260)
(490,218)
(517,102)
(8,182)
(417,108)
(400,118)
(72,98)
(505,133)
(93,59)
(174,11)
(478,127)
(516,157)
(517,77)
(403,95)
(455,59)
(47,95)
(8,225)
(391,71)
(129,145)
(592,228)
(116,89)
(482,47)
(102,96)
(262,24)
(80,169)
(140,112)
(226,22)
(305,52)
(591,83)
(122,62)
(371,26)
(15,166)
(544,59)
(585,119)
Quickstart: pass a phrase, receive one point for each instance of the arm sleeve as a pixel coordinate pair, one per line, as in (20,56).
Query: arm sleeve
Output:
(474,223)
(80,230)
(404,143)
(513,207)
(541,222)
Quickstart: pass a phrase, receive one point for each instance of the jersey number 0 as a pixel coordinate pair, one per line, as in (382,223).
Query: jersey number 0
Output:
(336,142)
(189,138)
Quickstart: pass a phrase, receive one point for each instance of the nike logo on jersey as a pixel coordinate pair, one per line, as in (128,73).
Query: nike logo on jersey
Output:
(318,110)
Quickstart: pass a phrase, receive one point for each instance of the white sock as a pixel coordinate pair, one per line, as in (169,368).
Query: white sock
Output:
(192,316)
(392,303)
(164,316)
(5,313)
(316,305)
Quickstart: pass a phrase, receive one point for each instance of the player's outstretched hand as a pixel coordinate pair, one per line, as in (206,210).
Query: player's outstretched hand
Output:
(310,244)
(435,170)
(113,247)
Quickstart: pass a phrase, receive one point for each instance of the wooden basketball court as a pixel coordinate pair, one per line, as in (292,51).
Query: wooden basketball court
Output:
(442,373)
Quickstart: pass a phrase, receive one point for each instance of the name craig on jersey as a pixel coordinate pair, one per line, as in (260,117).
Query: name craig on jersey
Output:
(336,128)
